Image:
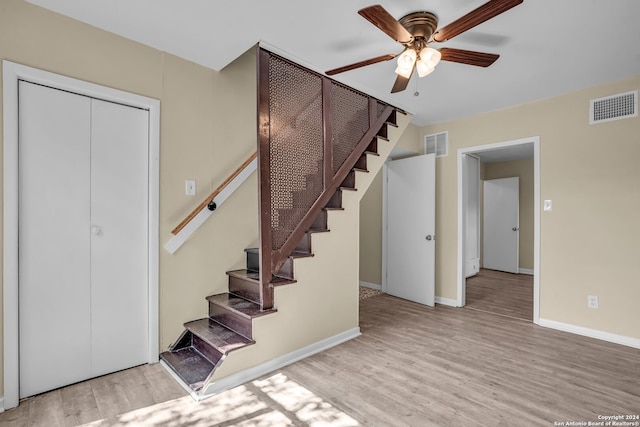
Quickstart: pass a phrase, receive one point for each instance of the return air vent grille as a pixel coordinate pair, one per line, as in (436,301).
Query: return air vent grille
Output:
(437,143)
(616,107)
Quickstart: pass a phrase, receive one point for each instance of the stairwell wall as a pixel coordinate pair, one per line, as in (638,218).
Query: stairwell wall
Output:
(208,128)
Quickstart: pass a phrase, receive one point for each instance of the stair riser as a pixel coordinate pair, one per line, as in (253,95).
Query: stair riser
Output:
(253,260)
(247,289)
(336,201)
(253,264)
(349,181)
(320,223)
(373,146)
(205,349)
(382,133)
(305,243)
(361,164)
(230,319)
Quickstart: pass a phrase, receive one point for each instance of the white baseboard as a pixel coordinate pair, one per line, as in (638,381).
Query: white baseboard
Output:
(446,301)
(371,285)
(254,372)
(525,271)
(592,333)
(1,404)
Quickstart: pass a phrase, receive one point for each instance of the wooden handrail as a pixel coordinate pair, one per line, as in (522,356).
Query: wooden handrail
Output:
(213,194)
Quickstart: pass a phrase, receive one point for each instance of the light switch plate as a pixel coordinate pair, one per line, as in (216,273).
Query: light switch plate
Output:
(190,187)
(548,206)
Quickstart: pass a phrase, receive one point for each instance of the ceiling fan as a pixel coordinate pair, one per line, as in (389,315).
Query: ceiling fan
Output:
(417,30)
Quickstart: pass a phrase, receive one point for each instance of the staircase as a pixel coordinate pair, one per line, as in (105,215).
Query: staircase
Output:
(205,343)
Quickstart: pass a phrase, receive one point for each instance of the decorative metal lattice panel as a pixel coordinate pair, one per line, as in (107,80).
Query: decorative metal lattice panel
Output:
(350,120)
(296,147)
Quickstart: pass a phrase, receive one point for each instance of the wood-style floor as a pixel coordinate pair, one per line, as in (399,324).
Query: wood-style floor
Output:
(501,293)
(413,366)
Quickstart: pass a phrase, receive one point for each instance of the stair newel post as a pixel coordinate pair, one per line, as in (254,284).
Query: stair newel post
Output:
(327,119)
(264,181)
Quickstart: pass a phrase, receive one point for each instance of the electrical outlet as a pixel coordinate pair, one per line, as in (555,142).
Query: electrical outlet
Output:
(592,301)
(548,206)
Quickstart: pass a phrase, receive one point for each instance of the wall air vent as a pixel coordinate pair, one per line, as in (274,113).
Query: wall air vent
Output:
(437,143)
(615,107)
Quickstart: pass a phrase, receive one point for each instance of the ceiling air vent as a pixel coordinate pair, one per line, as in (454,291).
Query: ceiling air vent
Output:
(437,144)
(615,107)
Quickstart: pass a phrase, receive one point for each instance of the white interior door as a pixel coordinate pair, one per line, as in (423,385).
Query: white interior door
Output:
(501,224)
(410,234)
(83,257)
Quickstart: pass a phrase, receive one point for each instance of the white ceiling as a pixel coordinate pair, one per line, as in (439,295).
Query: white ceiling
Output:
(547,47)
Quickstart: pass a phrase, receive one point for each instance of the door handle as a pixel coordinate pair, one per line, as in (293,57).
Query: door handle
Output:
(514,229)
(95,230)
(430,237)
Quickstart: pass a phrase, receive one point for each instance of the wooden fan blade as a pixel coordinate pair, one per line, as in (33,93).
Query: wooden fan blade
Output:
(379,17)
(468,57)
(360,64)
(402,82)
(478,16)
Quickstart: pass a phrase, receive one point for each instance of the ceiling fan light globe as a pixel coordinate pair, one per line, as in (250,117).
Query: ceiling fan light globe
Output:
(423,69)
(430,57)
(407,58)
(404,71)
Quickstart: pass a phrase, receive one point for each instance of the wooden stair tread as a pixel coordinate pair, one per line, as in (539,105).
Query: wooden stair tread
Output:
(238,305)
(318,230)
(245,274)
(217,335)
(254,276)
(191,366)
(301,254)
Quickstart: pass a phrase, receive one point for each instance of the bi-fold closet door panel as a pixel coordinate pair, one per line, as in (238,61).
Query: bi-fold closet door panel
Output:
(119,218)
(82,237)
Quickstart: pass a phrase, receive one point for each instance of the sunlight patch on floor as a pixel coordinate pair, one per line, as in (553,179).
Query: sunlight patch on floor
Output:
(276,400)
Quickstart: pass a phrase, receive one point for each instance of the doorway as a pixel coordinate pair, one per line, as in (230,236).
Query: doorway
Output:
(503,151)
(12,75)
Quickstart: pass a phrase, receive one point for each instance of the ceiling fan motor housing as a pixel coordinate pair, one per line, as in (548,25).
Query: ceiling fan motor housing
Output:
(421,25)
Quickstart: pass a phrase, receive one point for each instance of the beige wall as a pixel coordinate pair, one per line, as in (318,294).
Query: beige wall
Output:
(589,240)
(371,216)
(208,127)
(522,169)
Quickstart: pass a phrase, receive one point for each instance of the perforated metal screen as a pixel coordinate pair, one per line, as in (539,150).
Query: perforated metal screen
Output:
(296,147)
(350,118)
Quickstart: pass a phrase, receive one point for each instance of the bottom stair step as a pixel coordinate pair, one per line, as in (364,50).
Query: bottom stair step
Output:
(191,366)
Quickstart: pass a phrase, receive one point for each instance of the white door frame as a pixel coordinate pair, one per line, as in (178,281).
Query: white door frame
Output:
(536,207)
(12,73)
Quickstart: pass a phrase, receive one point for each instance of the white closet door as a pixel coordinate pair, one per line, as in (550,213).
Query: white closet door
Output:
(119,214)
(83,289)
(54,252)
